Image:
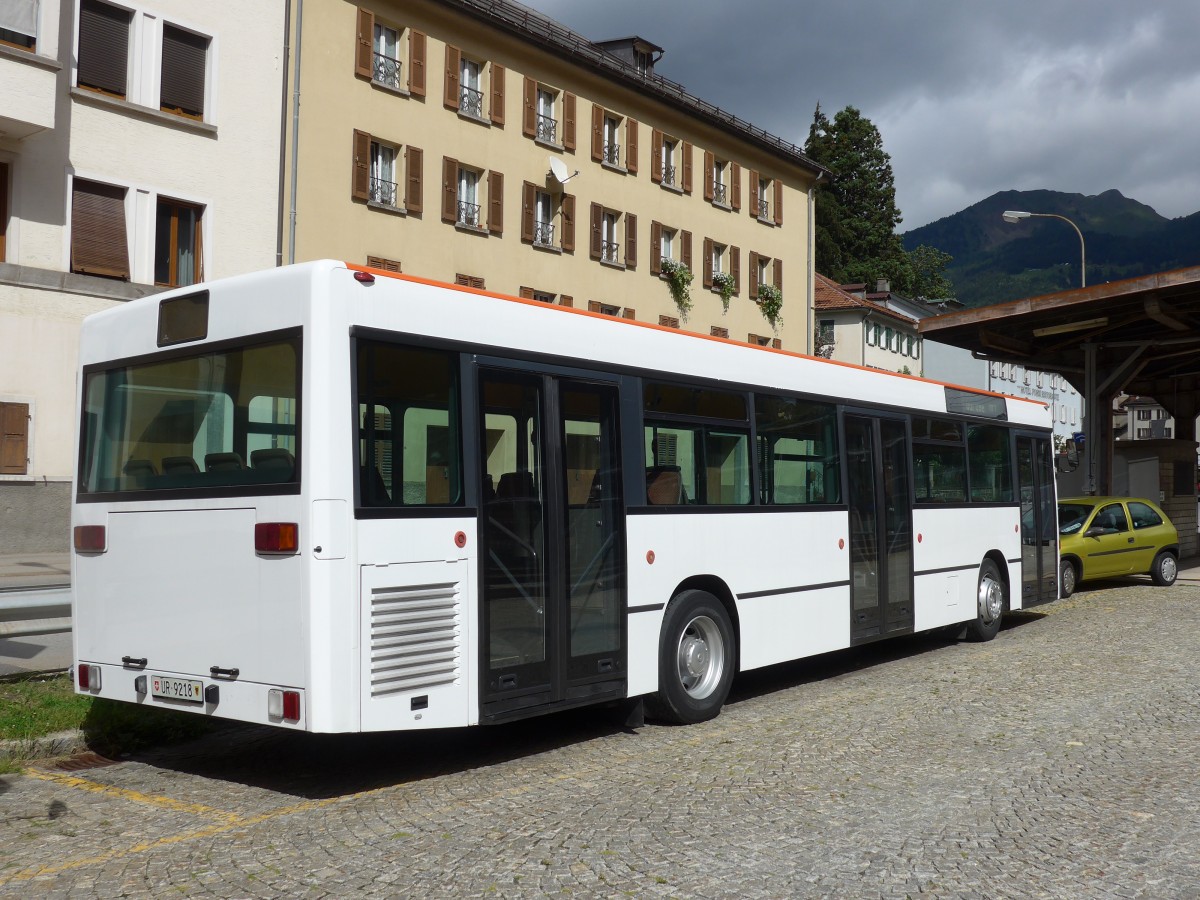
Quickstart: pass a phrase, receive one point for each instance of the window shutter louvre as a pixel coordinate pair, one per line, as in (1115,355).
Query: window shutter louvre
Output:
(752,187)
(655,247)
(528,107)
(449,189)
(568,121)
(416,63)
(630,241)
(685,249)
(3,208)
(687,167)
(103,47)
(594,306)
(496,202)
(528,199)
(753,275)
(526,293)
(497,110)
(668,321)
(98,241)
(568,223)
(735,269)
(597,133)
(656,142)
(778,266)
(735,186)
(14,438)
(364,48)
(566,300)
(778,202)
(597,212)
(708,268)
(709,162)
(183,59)
(360,181)
(414,186)
(382,262)
(451,93)
(629,313)
(631,146)
(718,331)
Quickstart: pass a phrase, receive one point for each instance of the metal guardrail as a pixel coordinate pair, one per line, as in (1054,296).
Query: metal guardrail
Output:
(28,612)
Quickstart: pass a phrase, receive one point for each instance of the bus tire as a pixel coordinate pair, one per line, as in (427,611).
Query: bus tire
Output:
(695,659)
(990,601)
(1067,579)
(1165,569)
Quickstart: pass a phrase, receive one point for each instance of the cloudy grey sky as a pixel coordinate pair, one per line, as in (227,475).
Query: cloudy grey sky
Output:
(971,96)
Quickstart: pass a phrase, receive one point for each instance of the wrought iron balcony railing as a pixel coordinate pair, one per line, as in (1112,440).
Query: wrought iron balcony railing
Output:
(764,209)
(468,214)
(612,154)
(387,70)
(720,194)
(668,174)
(543,234)
(471,102)
(609,251)
(547,129)
(383,191)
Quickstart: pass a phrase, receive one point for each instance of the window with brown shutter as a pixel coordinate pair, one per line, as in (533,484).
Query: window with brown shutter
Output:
(778,273)
(364,46)
(14,438)
(497,108)
(753,275)
(709,162)
(529,107)
(103,59)
(472,281)
(178,247)
(184,56)
(631,146)
(528,199)
(566,300)
(687,167)
(452,95)
(597,243)
(708,263)
(656,145)
(655,247)
(735,269)
(382,262)
(416,63)
(629,313)
(568,121)
(630,241)
(526,293)
(449,190)
(718,331)
(3,209)
(685,248)
(98,240)
(360,180)
(668,321)
(414,162)
(735,186)
(495,221)
(753,186)
(597,133)
(778,203)
(568,223)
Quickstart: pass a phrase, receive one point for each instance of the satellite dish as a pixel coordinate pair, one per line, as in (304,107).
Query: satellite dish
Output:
(558,170)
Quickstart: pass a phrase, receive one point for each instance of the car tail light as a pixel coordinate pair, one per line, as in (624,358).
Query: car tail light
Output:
(87,677)
(283,705)
(276,537)
(91,539)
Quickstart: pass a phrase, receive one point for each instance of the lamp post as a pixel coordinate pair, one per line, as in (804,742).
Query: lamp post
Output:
(1012,216)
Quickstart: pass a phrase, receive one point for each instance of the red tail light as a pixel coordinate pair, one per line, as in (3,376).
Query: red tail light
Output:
(91,539)
(283,705)
(276,537)
(87,677)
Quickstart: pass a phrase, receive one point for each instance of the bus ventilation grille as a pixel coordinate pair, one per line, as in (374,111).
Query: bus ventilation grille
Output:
(414,637)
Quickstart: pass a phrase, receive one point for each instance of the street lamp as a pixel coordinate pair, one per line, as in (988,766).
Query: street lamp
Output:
(1012,217)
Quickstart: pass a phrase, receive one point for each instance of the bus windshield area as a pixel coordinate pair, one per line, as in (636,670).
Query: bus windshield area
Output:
(225,419)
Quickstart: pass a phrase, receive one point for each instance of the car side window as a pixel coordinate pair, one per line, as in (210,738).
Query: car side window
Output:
(1143,516)
(1112,519)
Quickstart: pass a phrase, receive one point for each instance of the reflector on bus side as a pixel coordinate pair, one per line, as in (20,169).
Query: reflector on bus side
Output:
(283,705)
(91,539)
(276,537)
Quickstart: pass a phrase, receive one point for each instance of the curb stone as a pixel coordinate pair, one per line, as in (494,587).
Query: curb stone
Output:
(59,744)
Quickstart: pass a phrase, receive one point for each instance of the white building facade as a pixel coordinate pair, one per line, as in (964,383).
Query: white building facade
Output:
(139,150)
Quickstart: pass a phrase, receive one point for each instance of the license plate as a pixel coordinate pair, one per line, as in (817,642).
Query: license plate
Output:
(177,688)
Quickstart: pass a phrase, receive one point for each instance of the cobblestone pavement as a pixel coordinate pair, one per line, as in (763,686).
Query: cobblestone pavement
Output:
(1060,760)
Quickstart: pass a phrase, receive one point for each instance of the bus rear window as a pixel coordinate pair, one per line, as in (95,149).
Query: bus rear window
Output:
(223,421)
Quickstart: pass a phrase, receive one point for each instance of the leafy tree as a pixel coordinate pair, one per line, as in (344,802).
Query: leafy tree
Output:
(856,213)
(929,281)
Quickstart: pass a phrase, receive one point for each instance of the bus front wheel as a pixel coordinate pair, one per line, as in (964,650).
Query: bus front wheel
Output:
(989,604)
(696,659)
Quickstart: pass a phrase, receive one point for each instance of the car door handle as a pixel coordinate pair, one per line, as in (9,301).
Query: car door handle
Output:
(1129,540)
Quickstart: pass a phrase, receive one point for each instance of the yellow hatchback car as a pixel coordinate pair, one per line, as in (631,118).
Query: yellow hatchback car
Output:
(1100,537)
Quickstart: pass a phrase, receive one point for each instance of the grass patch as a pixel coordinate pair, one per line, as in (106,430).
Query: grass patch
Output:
(38,706)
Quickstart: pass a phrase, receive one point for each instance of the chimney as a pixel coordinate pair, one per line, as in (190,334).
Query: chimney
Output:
(883,286)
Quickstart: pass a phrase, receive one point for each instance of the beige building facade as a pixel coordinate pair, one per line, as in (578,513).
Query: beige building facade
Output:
(487,145)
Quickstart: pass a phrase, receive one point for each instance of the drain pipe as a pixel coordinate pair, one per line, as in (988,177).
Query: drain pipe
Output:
(295,132)
(809,312)
(287,33)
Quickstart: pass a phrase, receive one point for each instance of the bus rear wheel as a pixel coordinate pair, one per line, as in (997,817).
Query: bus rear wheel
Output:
(990,603)
(696,659)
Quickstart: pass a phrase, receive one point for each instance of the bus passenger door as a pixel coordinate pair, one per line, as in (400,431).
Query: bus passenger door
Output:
(1039,521)
(877,468)
(553,573)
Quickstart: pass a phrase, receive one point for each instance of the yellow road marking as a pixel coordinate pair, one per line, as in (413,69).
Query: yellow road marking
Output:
(74,781)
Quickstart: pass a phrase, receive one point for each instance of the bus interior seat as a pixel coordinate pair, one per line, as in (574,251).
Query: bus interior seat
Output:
(516,486)
(664,485)
(517,513)
(139,468)
(223,462)
(276,461)
(179,465)
(374,488)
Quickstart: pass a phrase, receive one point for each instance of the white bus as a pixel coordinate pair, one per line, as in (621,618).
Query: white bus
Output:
(334,499)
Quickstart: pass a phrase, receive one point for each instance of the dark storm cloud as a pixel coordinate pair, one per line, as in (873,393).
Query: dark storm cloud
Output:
(970,97)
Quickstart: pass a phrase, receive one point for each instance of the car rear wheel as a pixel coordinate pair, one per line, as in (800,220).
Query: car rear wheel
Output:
(1165,569)
(1067,578)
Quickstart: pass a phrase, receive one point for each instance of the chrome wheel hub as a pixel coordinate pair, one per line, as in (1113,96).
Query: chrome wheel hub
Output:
(991,600)
(700,657)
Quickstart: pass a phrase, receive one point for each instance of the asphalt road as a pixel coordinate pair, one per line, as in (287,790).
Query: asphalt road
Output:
(1061,760)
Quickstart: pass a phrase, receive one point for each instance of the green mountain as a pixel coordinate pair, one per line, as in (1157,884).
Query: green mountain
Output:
(995,262)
